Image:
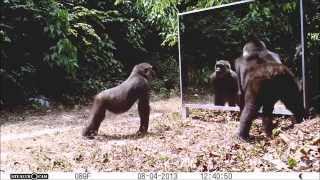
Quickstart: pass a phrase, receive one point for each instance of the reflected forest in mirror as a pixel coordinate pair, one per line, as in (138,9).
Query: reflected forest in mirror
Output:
(220,34)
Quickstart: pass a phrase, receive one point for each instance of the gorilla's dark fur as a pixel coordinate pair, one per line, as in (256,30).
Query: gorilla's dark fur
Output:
(263,81)
(224,82)
(120,99)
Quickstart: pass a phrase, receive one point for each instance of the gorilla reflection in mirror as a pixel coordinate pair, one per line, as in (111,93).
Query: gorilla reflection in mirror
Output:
(224,82)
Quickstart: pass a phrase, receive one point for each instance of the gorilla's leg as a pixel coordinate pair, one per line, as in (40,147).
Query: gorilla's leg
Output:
(144,112)
(233,100)
(219,99)
(267,118)
(96,117)
(248,114)
(250,109)
(240,97)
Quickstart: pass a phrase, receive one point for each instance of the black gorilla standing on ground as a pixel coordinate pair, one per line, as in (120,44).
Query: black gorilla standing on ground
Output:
(262,82)
(120,99)
(254,48)
(224,82)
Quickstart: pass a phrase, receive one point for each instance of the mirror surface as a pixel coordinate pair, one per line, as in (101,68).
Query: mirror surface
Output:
(220,34)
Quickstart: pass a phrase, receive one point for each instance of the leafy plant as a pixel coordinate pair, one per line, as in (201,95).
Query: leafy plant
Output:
(292,163)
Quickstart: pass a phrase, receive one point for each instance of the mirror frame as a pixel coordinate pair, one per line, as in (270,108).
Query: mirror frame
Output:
(185,107)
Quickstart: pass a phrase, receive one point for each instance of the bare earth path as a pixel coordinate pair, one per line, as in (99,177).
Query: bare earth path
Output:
(52,142)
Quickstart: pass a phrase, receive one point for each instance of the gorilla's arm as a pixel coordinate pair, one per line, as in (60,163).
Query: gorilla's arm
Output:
(144,112)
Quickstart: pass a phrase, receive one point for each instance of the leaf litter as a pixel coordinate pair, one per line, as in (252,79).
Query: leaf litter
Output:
(205,141)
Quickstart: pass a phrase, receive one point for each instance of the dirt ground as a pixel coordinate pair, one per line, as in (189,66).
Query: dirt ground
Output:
(51,141)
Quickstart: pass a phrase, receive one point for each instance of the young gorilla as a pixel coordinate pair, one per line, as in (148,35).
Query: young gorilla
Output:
(119,99)
(262,82)
(224,82)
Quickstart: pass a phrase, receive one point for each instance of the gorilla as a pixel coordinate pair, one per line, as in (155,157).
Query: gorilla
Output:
(258,47)
(262,81)
(119,99)
(224,81)
(253,48)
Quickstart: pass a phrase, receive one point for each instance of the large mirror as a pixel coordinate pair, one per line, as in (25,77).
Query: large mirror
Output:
(219,33)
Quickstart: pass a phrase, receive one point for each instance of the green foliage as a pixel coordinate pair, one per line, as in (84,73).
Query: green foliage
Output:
(61,50)
(65,50)
(207,36)
(167,82)
(292,163)
(97,61)
(70,49)
(33,36)
(64,55)
(163,13)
